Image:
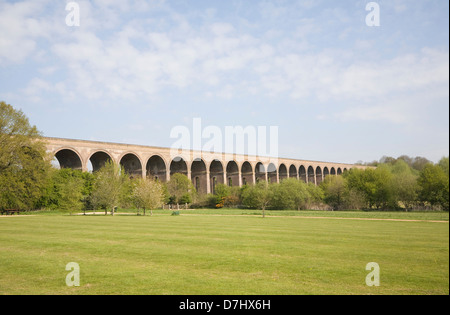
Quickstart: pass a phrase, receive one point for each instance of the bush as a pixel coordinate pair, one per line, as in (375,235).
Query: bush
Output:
(289,194)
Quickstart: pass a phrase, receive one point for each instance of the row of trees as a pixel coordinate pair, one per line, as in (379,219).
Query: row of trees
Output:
(390,186)
(394,185)
(28,181)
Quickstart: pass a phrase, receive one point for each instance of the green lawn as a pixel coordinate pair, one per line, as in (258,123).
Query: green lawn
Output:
(230,254)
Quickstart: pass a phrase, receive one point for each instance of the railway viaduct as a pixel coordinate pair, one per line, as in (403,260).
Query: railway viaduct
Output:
(205,169)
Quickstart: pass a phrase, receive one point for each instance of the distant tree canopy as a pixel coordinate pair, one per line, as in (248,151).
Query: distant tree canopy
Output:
(416,163)
(398,184)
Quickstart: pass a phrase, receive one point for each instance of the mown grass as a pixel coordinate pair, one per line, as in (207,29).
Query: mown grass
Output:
(221,254)
(394,215)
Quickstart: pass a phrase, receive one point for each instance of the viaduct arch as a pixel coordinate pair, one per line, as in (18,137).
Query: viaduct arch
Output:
(205,169)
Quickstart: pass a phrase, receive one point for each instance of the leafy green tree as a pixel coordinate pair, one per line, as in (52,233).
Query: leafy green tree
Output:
(354,200)
(66,191)
(315,196)
(404,184)
(434,186)
(374,184)
(71,195)
(181,189)
(290,194)
(419,163)
(108,187)
(148,194)
(56,192)
(334,191)
(282,196)
(257,196)
(444,164)
(88,185)
(24,163)
(15,134)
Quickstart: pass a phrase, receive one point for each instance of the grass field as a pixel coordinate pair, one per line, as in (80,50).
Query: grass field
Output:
(195,253)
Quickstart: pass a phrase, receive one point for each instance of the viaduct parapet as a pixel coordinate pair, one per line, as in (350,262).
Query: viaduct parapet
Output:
(205,169)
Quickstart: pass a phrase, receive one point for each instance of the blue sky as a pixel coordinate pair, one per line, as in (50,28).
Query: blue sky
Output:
(337,89)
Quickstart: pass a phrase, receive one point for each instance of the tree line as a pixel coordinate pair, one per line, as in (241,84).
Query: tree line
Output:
(29,181)
(394,185)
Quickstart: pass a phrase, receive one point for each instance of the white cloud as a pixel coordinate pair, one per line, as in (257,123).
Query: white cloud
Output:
(221,29)
(19,29)
(113,59)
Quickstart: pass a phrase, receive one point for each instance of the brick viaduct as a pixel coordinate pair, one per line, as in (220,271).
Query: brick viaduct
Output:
(205,169)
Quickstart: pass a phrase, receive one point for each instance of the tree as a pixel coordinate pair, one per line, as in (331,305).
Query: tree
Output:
(419,163)
(109,183)
(444,164)
(88,185)
(434,186)
(404,184)
(71,195)
(24,163)
(374,184)
(180,189)
(15,134)
(66,192)
(315,196)
(334,190)
(257,196)
(290,194)
(148,194)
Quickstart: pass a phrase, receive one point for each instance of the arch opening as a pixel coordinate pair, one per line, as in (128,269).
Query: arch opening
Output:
(292,171)
(132,165)
(198,176)
(232,174)
(302,174)
(69,159)
(260,172)
(98,160)
(178,166)
(311,175)
(156,169)
(282,172)
(272,174)
(333,171)
(247,174)
(216,175)
(326,172)
(319,177)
